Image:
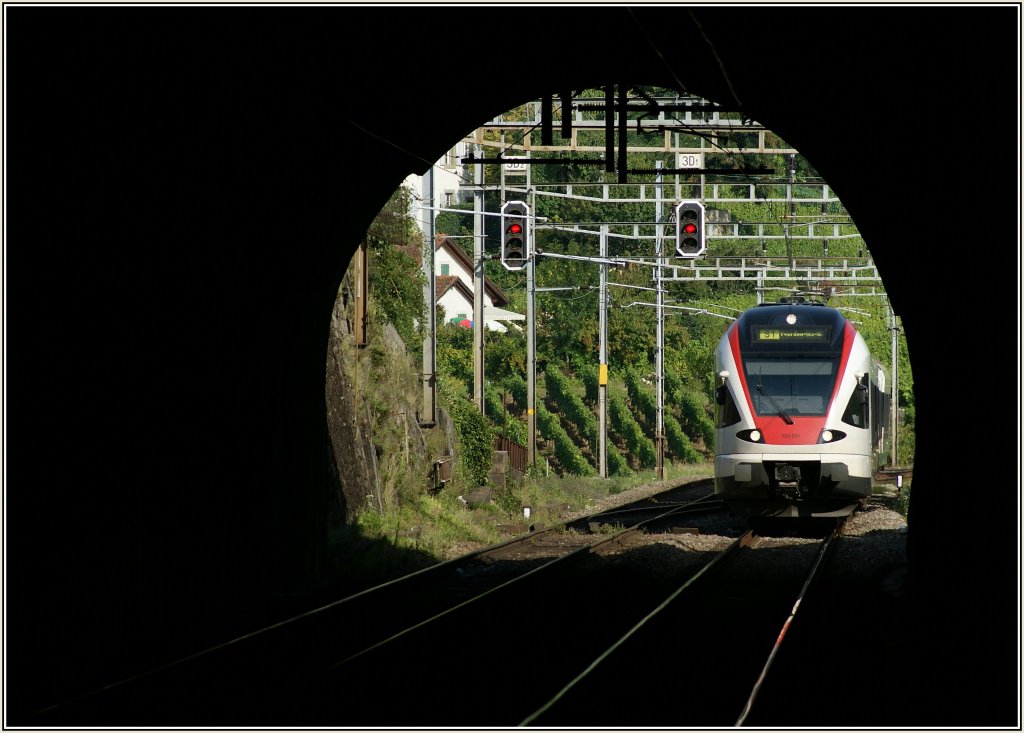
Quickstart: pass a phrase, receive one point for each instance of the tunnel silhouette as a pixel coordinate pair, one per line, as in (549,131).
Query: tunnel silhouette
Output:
(185,188)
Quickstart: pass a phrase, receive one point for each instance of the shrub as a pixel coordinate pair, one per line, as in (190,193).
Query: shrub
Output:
(640,446)
(517,387)
(644,399)
(504,423)
(695,417)
(560,388)
(567,453)
(474,435)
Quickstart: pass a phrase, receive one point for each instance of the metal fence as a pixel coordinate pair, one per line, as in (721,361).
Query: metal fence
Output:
(516,452)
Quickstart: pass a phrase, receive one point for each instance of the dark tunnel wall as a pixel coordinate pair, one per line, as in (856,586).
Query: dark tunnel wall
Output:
(185,187)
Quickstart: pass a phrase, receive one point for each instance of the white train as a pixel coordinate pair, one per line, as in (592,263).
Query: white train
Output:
(801,413)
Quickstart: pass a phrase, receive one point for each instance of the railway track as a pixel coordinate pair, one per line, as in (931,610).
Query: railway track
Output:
(487,639)
(706,649)
(218,684)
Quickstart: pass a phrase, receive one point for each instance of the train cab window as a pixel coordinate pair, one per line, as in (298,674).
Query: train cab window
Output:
(726,412)
(856,412)
(796,385)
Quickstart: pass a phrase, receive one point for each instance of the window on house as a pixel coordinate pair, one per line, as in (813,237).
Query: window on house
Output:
(444,269)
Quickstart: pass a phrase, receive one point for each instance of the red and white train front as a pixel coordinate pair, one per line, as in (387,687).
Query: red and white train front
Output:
(794,416)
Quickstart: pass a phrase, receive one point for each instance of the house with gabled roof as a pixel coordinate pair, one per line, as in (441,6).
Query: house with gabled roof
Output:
(453,288)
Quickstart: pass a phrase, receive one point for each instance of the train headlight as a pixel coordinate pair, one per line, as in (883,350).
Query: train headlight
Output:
(830,436)
(752,436)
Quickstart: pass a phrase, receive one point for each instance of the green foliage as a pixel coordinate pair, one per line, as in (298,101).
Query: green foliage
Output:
(431,524)
(395,279)
(564,392)
(694,418)
(568,455)
(617,463)
(641,397)
(905,440)
(560,389)
(454,224)
(396,287)
(454,353)
(588,374)
(505,423)
(504,353)
(903,500)
(567,320)
(507,500)
(679,443)
(517,387)
(474,442)
(646,401)
(631,331)
(639,445)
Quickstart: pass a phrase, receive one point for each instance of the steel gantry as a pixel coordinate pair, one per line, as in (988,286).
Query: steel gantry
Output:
(686,127)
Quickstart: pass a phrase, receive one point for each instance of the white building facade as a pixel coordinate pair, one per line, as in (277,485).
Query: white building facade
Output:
(450,260)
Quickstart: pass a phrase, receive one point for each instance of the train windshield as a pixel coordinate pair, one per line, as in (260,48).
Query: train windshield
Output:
(799,386)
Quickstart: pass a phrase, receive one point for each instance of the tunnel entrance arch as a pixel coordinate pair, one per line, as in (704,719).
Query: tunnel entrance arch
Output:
(775,225)
(836,102)
(184,199)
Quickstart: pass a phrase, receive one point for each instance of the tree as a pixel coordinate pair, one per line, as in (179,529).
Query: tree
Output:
(396,281)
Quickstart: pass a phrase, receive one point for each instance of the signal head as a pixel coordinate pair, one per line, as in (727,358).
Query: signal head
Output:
(690,240)
(515,237)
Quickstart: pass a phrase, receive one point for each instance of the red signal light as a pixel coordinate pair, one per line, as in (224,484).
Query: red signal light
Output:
(690,241)
(515,223)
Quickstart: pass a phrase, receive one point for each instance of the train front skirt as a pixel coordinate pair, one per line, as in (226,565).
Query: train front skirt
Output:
(793,485)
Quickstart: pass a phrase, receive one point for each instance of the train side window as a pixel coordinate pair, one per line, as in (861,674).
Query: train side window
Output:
(726,412)
(856,413)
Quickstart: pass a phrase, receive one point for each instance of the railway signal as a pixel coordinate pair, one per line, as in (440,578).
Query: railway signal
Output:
(515,235)
(690,240)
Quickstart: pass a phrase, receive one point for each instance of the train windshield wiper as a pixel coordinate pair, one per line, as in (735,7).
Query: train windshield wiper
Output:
(787,418)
